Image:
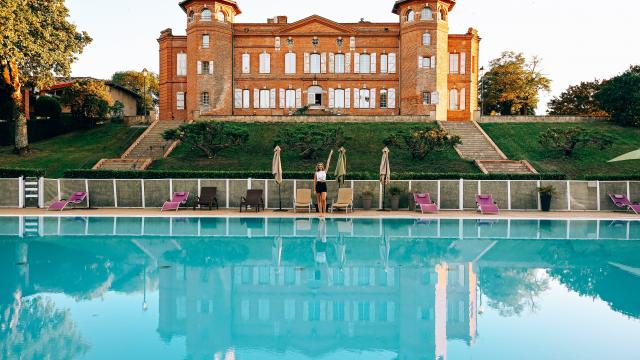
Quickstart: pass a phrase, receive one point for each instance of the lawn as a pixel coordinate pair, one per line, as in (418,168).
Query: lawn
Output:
(76,150)
(520,142)
(364,150)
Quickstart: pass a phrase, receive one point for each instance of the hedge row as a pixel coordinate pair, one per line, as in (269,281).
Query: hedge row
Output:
(166,174)
(16,173)
(629,177)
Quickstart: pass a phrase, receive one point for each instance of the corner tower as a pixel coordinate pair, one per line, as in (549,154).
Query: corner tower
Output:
(424,56)
(209,56)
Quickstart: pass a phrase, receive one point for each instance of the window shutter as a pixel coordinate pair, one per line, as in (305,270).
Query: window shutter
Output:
(433,62)
(272,98)
(246,63)
(420,62)
(331,98)
(463,99)
(282,98)
(287,63)
(307,63)
(238,98)
(323,63)
(435,98)
(356,98)
(372,101)
(356,63)
(256,99)
(199,67)
(391,98)
(347,98)
(210,67)
(267,63)
(299,98)
(246,101)
(332,63)
(463,63)
(347,63)
(384,66)
(374,61)
(294,63)
(392,63)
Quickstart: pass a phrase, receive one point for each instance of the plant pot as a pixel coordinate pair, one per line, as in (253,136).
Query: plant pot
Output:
(366,202)
(545,201)
(395,202)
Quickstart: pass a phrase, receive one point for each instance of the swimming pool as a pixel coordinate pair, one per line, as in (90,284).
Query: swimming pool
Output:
(257,288)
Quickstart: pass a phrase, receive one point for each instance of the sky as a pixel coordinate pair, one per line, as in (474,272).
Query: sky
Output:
(578,40)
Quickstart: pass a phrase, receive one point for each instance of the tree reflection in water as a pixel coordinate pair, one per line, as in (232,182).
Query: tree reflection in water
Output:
(511,291)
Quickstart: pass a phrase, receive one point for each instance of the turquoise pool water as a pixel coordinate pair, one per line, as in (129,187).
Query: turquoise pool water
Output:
(232,288)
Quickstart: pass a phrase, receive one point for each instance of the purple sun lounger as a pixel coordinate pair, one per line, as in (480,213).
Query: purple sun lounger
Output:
(179,198)
(486,205)
(76,198)
(623,202)
(423,200)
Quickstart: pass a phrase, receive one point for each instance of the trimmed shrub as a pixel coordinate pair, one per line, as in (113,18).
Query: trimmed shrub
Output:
(49,107)
(16,173)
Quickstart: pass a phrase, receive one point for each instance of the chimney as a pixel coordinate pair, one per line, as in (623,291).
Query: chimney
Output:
(282,19)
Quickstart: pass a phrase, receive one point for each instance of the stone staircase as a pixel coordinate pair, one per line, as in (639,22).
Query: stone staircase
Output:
(148,147)
(478,146)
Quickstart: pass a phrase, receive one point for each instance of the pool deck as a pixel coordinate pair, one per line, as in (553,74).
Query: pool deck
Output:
(574,215)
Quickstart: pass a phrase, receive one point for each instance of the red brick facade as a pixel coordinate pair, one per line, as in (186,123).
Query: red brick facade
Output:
(226,68)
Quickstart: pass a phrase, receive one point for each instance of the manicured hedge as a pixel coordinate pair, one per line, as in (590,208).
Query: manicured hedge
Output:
(41,129)
(166,174)
(16,173)
(630,177)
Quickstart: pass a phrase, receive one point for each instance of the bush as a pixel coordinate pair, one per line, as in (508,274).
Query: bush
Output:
(49,107)
(568,139)
(421,142)
(310,139)
(209,137)
(16,173)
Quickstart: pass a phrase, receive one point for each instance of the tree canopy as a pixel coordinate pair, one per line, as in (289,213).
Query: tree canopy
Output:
(135,80)
(37,43)
(620,97)
(209,137)
(88,99)
(578,100)
(512,85)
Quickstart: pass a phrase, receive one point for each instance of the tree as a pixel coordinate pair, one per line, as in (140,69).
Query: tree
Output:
(422,142)
(117,111)
(620,97)
(88,100)
(568,139)
(135,81)
(578,100)
(49,107)
(37,43)
(209,137)
(512,85)
(310,139)
(511,291)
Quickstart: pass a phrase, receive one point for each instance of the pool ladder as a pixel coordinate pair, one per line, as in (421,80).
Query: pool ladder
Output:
(31,192)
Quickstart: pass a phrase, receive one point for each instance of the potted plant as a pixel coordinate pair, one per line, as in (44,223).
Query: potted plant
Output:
(546,193)
(395,193)
(367,198)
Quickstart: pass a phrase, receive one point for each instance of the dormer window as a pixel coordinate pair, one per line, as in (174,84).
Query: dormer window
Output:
(220,16)
(427,14)
(411,15)
(205,15)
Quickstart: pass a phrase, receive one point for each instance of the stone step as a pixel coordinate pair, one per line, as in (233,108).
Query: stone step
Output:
(505,167)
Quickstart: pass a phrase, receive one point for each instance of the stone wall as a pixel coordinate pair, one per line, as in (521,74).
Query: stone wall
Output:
(540,119)
(319,119)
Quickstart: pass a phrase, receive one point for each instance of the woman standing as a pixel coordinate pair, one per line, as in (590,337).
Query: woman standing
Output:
(320,185)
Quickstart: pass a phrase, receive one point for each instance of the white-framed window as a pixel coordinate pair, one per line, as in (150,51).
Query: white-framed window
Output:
(290,63)
(205,41)
(220,16)
(454,101)
(339,99)
(411,15)
(265,99)
(426,14)
(242,99)
(265,63)
(392,63)
(204,98)
(454,63)
(384,63)
(181,64)
(339,64)
(290,99)
(424,62)
(206,67)
(365,98)
(180,100)
(384,99)
(365,63)
(205,15)
(315,63)
(426,98)
(426,39)
(246,63)
(463,99)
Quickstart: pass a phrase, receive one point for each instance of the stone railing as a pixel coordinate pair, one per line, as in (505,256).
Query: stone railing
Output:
(541,119)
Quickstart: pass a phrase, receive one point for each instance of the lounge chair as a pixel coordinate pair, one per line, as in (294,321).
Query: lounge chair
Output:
(76,198)
(303,199)
(423,201)
(344,201)
(207,197)
(253,200)
(486,205)
(623,202)
(179,198)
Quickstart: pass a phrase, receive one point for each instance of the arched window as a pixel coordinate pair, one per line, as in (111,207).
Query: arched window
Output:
(427,14)
(453,100)
(384,99)
(192,16)
(315,95)
(411,15)
(205,15)
(204,99)
(220,16)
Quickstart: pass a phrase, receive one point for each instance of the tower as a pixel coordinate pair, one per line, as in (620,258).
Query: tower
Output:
(424,56)
(210,56)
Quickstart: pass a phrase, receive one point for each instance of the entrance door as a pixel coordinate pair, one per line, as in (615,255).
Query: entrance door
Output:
(315,96)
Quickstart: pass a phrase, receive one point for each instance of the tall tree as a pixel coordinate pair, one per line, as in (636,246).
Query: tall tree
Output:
(88,100)
(135,80)
(620,97)
(578,100)
(37,43)
(513,84)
